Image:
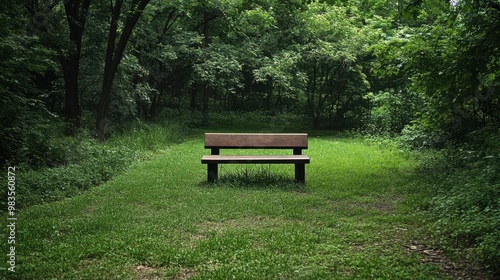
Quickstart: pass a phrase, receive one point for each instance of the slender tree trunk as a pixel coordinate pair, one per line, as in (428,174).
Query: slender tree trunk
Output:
(205,103)
(153,106)
(108,76)
(206,19)
(114,54)
(311,98)
(194,89)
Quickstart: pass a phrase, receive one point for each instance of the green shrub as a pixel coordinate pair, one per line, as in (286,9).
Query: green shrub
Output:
(391,111)
(34,143)
(416,136)
(466,195)
(489,248)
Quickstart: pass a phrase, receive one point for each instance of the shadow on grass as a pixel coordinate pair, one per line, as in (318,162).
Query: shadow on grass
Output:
(256,179)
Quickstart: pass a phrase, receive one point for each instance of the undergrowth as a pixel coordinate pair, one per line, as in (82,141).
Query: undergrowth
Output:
(463,197)
(82,162)
(99,164)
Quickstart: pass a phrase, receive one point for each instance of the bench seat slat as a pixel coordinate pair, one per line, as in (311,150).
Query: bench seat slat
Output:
(255,159)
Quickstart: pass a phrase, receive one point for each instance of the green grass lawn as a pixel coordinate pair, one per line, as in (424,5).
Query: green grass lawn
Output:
(160,220)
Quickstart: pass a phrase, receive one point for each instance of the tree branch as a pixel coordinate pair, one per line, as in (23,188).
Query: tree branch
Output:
(206,21)
(170,20)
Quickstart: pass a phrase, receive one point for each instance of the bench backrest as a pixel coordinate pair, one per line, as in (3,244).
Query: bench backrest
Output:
(256,140)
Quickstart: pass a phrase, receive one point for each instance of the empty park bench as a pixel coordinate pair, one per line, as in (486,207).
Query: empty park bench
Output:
(216,141)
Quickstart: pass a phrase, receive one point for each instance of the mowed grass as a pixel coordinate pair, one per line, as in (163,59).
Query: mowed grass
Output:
(161,220)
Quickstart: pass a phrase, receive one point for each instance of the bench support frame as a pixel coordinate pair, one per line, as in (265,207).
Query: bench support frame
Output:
(300,168)
(300,173)
(213,168)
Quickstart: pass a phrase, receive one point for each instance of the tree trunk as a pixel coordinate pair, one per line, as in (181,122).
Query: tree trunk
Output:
(114,54)
(205,103)
(76,15)
(153,106)
(194,89)
(72,102)
(206,19)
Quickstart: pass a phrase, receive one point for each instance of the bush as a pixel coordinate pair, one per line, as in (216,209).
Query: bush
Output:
(416,136)
(391,111)
(489,248)
(33,141)
(466,195)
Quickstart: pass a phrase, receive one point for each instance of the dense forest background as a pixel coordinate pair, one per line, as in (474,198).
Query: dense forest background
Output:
(426,66)
(426,71)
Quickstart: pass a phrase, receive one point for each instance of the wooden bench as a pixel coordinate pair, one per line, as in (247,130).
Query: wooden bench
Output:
(216,141)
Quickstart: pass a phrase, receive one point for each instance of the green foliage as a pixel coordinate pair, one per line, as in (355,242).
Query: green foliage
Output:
(391,111)
(318,58)
(220,69)
(320,69)
(285,77)
(450,62)
(258,121)
(414,136)
(24,140)
(24,118)
(465,198)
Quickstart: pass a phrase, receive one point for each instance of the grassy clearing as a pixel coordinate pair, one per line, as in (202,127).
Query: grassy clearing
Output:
(161,220)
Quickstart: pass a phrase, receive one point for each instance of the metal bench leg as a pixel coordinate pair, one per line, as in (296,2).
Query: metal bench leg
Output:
(212,172)
(300,172)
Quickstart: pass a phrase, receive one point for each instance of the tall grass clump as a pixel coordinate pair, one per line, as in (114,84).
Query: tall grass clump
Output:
(141,136)
(257,176)
(464,196)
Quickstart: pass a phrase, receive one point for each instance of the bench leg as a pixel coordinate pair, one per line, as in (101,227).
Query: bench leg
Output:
(212,172)
(300,172)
